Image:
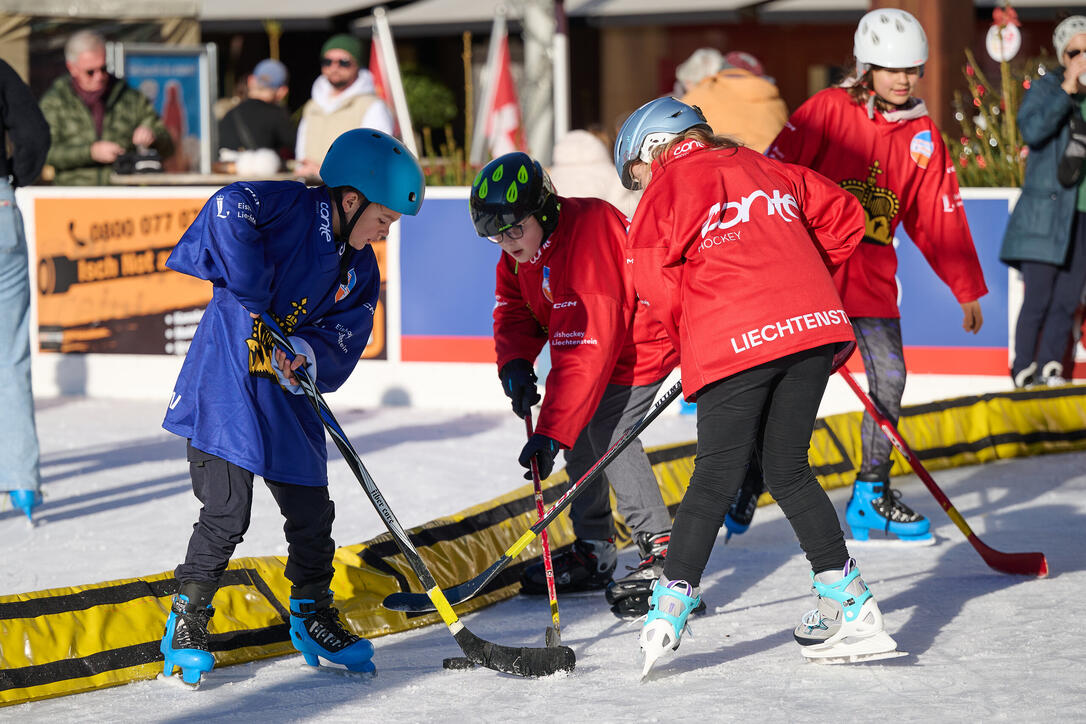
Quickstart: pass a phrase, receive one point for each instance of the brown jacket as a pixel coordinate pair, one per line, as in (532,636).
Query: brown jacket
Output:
(742,105)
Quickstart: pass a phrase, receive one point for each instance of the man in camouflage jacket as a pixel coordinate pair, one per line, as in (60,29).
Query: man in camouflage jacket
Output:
(94,117)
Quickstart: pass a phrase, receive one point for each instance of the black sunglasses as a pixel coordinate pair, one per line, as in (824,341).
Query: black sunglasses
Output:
(1072,53)
(342,62)
(91,72)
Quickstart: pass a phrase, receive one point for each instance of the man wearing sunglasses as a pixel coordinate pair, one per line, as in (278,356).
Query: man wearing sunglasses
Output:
(94,117)
(344,97)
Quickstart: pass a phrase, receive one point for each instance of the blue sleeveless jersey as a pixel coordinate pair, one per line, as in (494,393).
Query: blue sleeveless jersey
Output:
(268,246)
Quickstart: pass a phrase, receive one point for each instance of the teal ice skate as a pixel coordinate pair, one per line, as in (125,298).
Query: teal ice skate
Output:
(185,643)
(669,607)
(847,626)
(316,631)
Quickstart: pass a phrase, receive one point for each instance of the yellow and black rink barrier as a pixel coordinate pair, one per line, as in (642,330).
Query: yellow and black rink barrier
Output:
(68,640)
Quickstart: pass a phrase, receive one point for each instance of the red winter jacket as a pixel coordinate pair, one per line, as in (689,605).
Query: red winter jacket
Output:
(576,293)
(748,284)
(900,171)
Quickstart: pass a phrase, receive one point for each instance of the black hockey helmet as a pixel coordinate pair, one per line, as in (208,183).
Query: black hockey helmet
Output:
(511,188)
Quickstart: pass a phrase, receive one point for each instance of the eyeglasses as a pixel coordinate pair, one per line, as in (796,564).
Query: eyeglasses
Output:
(91,72)
(1072,53)
(341,62)
(513,233)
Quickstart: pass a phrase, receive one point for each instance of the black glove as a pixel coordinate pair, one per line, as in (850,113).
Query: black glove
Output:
(518,382)
(543,449)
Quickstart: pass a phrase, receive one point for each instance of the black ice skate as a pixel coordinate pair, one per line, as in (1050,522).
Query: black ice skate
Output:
(629,596)
(586,566)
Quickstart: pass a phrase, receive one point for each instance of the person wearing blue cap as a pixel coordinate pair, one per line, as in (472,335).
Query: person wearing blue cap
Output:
(261,121)
(303,255)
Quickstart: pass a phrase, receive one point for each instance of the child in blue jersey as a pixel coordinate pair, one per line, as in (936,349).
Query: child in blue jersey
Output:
(303,255)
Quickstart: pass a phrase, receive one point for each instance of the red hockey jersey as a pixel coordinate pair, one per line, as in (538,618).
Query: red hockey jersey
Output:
(733,252)
(576,293)
(899,169)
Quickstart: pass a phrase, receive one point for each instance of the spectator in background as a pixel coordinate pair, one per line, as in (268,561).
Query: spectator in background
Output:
(28,133)
(736,98)
(343,98)
(261,121)
(583,168)
(1046,235)
(94,117)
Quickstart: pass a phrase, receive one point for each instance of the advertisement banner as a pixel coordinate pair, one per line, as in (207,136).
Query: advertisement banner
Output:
(103,285)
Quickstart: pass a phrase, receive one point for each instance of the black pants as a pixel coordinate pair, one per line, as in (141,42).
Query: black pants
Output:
(226,492)
(1052,294)
(779,398)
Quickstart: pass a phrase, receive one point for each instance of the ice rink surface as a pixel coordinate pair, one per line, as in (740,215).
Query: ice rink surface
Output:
(982,646)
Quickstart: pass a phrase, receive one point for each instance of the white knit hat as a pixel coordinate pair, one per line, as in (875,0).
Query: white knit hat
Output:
(1066,30)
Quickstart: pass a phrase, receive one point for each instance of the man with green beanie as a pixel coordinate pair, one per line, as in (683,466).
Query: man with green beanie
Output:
(344,97)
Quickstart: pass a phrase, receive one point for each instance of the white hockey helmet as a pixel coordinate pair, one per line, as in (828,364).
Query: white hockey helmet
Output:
(889,38)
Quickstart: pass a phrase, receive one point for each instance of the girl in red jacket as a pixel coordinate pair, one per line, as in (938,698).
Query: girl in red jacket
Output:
(871,136)
(562,281)
(732,252)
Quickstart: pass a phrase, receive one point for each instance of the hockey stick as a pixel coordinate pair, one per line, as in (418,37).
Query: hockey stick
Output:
(1026,564)
(418,603)
(553,636)
(507,659)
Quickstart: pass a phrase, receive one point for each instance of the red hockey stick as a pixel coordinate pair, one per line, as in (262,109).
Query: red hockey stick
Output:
(554,633)
(1025,564)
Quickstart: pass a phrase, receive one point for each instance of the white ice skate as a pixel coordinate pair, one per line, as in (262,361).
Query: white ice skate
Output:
(847,626)
(669,607)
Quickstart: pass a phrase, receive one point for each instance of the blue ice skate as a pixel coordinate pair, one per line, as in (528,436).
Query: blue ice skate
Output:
(26,501)
(316,631)
(185,643)
(669,607)
(874,506)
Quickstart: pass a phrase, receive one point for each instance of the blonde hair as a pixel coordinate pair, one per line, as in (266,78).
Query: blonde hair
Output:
(703,136)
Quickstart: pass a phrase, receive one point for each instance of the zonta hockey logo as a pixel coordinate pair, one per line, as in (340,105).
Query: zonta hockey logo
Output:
(784,206)
(326,222)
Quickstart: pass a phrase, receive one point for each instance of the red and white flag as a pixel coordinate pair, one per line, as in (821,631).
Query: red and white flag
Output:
(503,128)
(499,122)
(380,80)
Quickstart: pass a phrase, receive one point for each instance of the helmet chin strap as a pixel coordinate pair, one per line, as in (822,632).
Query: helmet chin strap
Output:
(347,226)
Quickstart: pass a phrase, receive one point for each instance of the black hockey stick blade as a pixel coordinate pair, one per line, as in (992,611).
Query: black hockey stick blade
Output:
(507,659)
(526,661)
(420,602)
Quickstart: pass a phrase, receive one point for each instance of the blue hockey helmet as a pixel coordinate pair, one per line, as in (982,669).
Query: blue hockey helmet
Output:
(653,124)
(377,165)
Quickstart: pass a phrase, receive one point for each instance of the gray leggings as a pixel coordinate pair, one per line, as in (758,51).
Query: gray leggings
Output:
(884,363)
(636,489)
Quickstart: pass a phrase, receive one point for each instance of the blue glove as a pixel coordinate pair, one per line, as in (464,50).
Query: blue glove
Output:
(518,383)
(543,449)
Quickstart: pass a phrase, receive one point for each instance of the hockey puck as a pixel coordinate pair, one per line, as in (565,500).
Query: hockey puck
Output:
(458,663)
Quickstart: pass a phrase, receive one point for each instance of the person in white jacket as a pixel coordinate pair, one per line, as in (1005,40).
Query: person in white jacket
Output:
(583,168)
(343,98)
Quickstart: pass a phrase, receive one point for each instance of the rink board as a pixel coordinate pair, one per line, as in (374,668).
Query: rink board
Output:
(69,640)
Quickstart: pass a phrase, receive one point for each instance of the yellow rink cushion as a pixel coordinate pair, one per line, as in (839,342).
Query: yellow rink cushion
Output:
(68,640)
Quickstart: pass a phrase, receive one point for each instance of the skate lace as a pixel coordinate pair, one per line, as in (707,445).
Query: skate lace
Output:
(325,628)
(813,619)
(191,630)
(892,508)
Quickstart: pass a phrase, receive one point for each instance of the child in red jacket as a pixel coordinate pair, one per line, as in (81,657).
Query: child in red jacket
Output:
(562,281)
(733,254)
(874,139)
